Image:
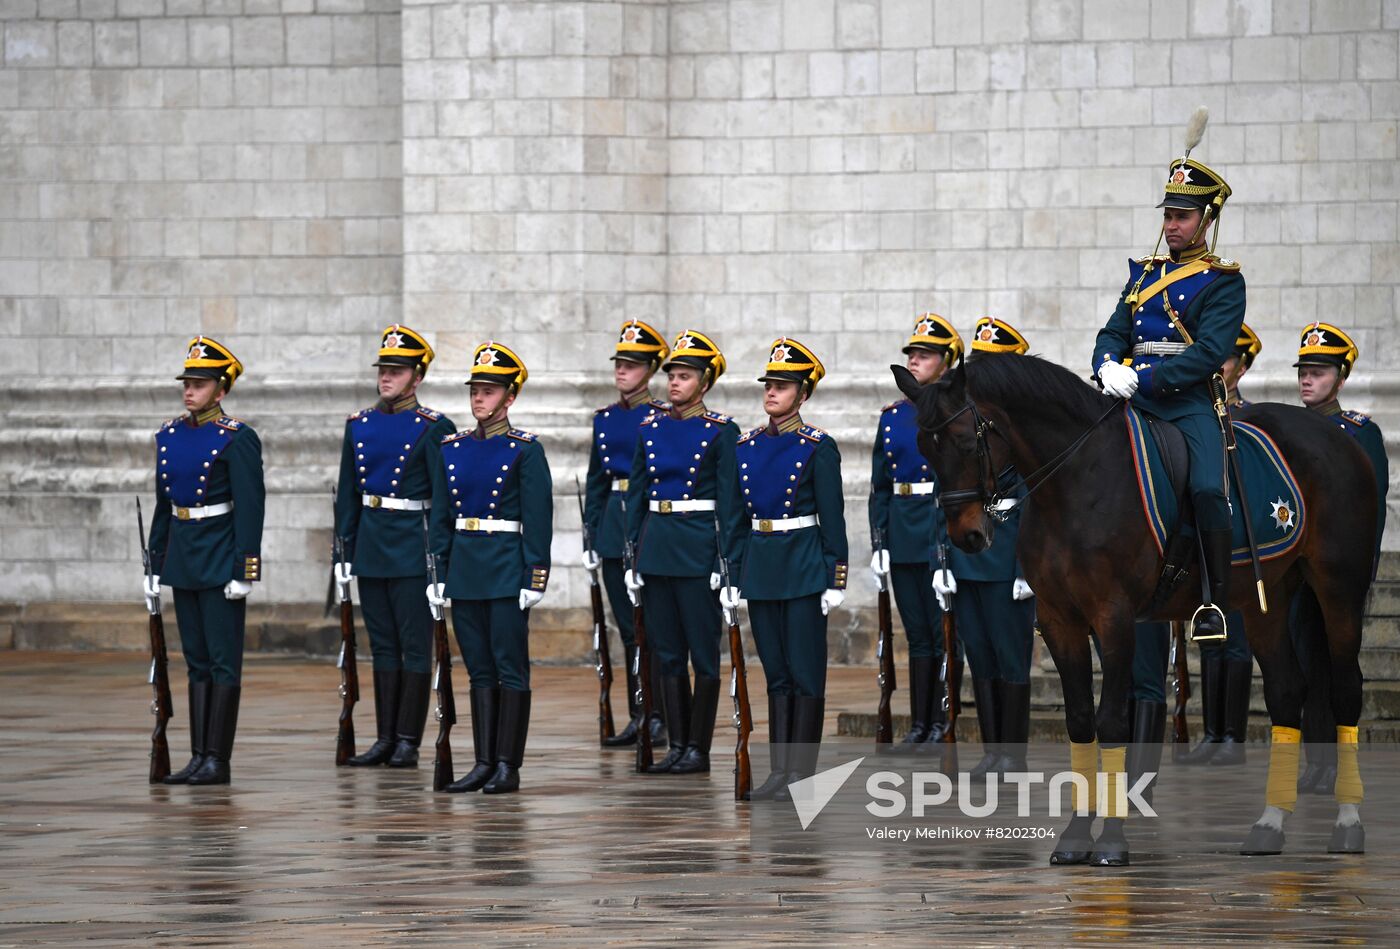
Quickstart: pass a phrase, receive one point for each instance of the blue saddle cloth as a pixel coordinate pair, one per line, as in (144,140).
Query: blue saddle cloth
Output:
(1276,504)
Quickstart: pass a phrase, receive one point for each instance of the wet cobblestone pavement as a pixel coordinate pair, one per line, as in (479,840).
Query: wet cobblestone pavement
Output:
(589,854)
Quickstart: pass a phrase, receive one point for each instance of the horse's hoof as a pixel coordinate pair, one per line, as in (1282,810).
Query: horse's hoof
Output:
(1076,843)
(1262,841)
(1111,847)
(1347,839)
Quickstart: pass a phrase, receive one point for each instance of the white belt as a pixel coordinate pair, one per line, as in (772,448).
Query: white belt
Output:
(488,525)
(620,484)
(203,511)
(906,488)
(395,504)
(681,507)
(1158,349)
(778,525)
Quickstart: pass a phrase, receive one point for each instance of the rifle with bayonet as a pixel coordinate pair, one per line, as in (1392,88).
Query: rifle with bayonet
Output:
(1181,689)
(349,668)
(738,684)
(642,658)
(602,657)
(446,711)
(162,707)
(951,701)
(884,652)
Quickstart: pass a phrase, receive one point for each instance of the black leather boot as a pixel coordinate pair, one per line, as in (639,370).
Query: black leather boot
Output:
(1145,753)
(920,706)
(628,735)
(808,716)
(413,716)
(1212,709)
(675,702)
(484,704)
(199,732)
(223,723)
(1210,623)
(779,735)
(513,726)
(386,716)
(658,719)
(987,693)
(1014,722)
(703,709)
(1238,673)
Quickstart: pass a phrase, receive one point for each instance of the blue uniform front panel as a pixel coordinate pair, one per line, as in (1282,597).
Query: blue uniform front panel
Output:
(615,430)
(187,455)
(908,521)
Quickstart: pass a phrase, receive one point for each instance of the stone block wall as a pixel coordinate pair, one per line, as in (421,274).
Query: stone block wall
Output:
(291,175)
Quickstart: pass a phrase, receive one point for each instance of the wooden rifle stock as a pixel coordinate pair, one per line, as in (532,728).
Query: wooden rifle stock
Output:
(952,702)
(738,683)
(1181,689)
(162,706)
(349,667)
(602,652)
(643,657)
(884,650)
(446,711)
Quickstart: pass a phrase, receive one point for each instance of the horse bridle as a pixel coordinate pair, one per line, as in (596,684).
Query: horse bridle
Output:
(996,503)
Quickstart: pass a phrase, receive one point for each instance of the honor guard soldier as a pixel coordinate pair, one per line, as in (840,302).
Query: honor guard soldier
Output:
(904,515)
(794,564)
(385,485)
(206,537)
(640,352)
(1326,355)
(683,481)
(994,606)
(1227,668)
(493,520)
(1178,318)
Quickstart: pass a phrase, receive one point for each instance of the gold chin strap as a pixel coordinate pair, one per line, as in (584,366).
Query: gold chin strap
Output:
(1132,298)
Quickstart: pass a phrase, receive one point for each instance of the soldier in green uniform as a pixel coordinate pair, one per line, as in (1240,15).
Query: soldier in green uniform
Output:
(205,543)
(794,564)
(492,523)
(385,485)
(904,512)
(994,606)
(1228,667)
(1178,318)
(1326,355)
(640,352)
(683,482)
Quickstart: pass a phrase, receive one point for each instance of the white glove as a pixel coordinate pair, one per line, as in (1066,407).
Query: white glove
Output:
(944,586)
(729,598)
(1118,380)
(1021,590)
(529,598)
(435,593)
(591,561)
(150,587)
(831,599)
(714,581)
(634,583)
(343,576)
(237,590)
(880,565)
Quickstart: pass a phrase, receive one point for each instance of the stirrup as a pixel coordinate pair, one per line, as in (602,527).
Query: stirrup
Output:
(1208,608)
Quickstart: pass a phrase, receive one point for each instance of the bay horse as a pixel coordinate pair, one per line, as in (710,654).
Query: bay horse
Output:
(1086,549)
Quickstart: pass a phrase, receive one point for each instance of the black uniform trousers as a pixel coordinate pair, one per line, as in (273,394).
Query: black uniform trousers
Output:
(211,634)
(399,623)
(494,638)
(791,639)
(912,586)
(616,590)
(683,624)
(997,631)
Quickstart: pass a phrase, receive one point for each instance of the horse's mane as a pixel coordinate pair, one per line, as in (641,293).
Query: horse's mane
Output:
(1026,382)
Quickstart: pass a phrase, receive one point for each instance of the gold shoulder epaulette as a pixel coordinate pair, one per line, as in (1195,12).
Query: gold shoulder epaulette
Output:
(229,422)
(717,417)
(522,435)
(811,433)
(1224,264)
(751,434)
(431,415)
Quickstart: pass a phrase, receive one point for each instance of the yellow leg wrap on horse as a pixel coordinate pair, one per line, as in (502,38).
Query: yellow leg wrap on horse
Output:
(1115,763)
(1282,788)
(1084,761)
(1348,789)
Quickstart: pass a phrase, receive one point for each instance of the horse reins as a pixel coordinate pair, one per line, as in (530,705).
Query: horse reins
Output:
(998,504)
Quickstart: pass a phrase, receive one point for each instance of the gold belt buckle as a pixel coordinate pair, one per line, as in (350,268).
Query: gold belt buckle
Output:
(906,489)
(765,526)
(620,484)
(665,507)
(183,513)
(375,500)
(473,524)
